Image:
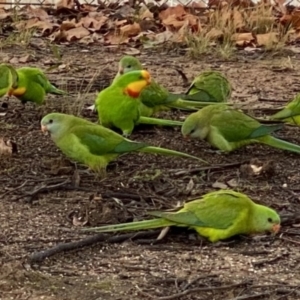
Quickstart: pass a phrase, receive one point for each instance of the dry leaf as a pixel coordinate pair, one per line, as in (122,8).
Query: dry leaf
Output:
(132,51)
(65,4)
(177,11)
(91,22)
(59,35)
(243,39)
(219,185)
(267,39)
(113,39)
(25,59)
(67,25)
(76,33)
(7,148)
(44,25)
(147,14)
(214,34)
(163,37)
(39,13)
(238,19)
(130,29)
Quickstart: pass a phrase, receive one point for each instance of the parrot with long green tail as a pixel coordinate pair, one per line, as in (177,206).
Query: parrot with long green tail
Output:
(228,129)
(289,114)
(32,86)
(210,86)
(92,144)
(217,216)
(8,78)
(118,105)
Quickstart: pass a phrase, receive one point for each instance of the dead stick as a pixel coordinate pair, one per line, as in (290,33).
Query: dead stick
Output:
(195,290)
(215,167)
(88,241)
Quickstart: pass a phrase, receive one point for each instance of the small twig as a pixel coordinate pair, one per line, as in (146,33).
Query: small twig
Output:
(197,279)
(265,261)
(289,240)
(195,290)
(183,76)
(44,188)
(88,241)
(248,297)
(214,167)
(17,188)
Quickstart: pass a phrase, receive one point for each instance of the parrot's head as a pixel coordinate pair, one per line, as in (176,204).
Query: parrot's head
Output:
(192,127)
(128,64)
(54,124)
(133,83)
(267,220)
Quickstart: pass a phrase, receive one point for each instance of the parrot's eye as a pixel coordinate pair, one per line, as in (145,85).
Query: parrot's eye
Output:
(129,67)
(270,220)
(50,121)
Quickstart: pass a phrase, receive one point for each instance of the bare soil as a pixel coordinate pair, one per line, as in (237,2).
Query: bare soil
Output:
(45,199)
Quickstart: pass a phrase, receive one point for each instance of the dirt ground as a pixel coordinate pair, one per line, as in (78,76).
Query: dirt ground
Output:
(45,201)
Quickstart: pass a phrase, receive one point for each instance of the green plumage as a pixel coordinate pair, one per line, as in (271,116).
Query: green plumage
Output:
(291,113)
(216,216)
(228,129)
(8,78)
(33,86)
(116,108)
(92,144)
(209,86)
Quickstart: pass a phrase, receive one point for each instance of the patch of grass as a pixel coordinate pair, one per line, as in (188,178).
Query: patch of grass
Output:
(229,27)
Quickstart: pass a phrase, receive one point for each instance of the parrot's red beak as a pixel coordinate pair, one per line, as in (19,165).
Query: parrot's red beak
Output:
(187,137)
(44,128)
(276,228)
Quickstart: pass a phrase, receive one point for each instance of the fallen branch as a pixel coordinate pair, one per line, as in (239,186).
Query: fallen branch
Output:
(195,290)
(214,167)
(248,297)
(88,241)
(44,188)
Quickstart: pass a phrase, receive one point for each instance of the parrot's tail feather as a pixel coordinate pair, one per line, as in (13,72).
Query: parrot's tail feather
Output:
(140,225)
(164,151)
(156,121)
(281,144)
(56,91)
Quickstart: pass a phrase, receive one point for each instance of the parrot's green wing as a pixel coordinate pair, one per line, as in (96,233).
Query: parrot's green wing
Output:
(235,126)
(35,75)
(215,212)
(5,80)
(291,110)
(101,141)
(154,95)
(210,86)
(8,78)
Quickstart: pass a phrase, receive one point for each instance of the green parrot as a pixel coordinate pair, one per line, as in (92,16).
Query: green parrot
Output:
(8,78)
(228,129)
(217,216)
(291,113)
(119,104)
(92,144)
(32,86)
(210,86)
